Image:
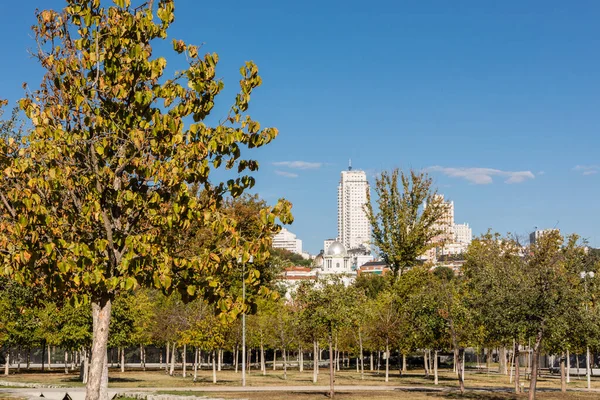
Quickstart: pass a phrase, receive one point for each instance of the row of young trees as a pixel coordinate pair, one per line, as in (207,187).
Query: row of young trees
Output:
(504,298)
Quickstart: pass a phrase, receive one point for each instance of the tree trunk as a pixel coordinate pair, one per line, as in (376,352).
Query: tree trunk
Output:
(219,359)
(43,355)
(435,367)
(588,372)
(425,364)
(236,359)
(142,364)
(568,367)
(315,361)
(122,359)
(195,363)
(7,362)
(263,366)
(49,358)
(535,364)
(167,355)
(274,359)
(387,361)
(184,361)
(563,377)
(458,354)
(371,362)
(85,367)
(66,362)
(214,366)
(331,369)
(362,362)
(404,368)
(284,363)
(173,354)
(301,359)
(97,385)
(517,372)
(337,355)
(28,358)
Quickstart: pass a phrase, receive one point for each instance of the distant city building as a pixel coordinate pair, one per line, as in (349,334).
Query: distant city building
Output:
(360,256)
(354,229)
(463,233)
(288,241)
(374,268)
(327,243)
(535,235)
(336,260)
(446,222)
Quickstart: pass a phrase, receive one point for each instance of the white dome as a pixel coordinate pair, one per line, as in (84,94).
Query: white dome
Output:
(336,249)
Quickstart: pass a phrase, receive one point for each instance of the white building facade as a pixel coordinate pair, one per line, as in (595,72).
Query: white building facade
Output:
(288,241)
(463,234)
(353,226)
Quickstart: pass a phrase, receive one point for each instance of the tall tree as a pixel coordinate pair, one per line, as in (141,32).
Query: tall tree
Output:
(100,198)
(408,217)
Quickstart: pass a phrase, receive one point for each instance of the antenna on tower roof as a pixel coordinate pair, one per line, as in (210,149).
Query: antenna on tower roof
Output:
(350,164)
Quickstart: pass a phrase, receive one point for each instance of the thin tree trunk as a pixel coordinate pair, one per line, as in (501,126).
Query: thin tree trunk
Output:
(214,366)
(49,358)
(535,361)
(86,366)
(362,362)
(173,354)
(274,359)
(517,368)
(236,360)
(511,361)
(568,367)
(122,359)
(458,352)
(43,355)
(28,358)
(301,359)
(577,362)
(284,363)
(387,361)
(184,361)
(435,367)
(97,385)
(263,367)
(66,362)
(315,361)
(371,362)
(404,368)
(7,362)
(425,364)
(142,357)
(563,376)
(168,354)
(195,364)
(337,355)
(219,359)
(588,372)
(331,369)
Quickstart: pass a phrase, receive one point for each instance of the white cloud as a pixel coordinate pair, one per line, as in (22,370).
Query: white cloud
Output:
(298,164)
(286,174)
(587,169)
(482,176)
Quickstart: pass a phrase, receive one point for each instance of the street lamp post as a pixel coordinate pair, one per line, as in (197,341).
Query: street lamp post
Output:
(244,318)
(584,275)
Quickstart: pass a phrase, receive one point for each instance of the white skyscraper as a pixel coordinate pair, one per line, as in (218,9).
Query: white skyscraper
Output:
(463,233)
(287,240)
(353,226)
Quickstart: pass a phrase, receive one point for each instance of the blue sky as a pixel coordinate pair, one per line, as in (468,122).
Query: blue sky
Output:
(500,100)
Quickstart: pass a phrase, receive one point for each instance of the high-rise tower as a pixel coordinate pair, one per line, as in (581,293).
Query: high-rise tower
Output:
(353,226)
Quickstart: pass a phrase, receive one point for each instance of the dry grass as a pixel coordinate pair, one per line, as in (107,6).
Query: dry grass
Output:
(396,394)
(158,379)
